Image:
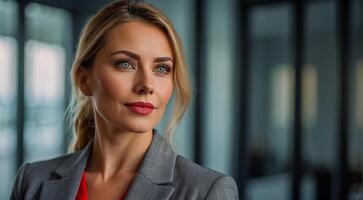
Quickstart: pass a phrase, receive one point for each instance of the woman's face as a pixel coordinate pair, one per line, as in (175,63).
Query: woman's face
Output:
(131,79)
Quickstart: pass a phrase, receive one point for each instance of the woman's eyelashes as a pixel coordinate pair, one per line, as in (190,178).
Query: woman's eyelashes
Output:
(124,65)
(127,65)
(162,69)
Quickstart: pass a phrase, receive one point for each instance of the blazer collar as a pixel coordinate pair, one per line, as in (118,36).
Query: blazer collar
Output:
(76,163)
(156,168)
(69,174)
(155,172)
(159,161)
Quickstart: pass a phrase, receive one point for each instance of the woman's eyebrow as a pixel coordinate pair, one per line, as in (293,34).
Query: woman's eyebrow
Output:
(137,57)
(129,53)
(163,59)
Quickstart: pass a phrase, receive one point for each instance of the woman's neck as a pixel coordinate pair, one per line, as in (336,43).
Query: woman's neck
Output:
(117,152)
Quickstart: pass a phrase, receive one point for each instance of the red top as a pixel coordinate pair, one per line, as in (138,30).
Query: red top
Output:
(82,190)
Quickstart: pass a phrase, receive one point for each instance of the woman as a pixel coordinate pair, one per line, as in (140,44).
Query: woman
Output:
(128,64)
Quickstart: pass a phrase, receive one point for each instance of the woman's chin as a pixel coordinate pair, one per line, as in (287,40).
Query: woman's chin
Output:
(137,128)
(142,130)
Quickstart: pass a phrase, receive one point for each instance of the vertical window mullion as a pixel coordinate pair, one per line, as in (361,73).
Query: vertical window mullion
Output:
(20,82)
(243,64)
(200,62)
(298,43)
(341,172)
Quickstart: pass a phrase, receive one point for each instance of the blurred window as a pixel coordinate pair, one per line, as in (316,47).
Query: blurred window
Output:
(8,91)
(320,99)
(355,148)
(7,113)
(44,100)
(271,102)
(45,68)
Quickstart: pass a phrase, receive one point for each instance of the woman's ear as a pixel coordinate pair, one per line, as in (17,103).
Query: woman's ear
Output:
(83,81)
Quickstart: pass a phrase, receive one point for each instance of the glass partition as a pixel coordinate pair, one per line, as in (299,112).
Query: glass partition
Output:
(355,150)
(45,58)
(8,92)
(270,102)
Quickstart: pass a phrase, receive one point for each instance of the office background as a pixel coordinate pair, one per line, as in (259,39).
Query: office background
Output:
(278,90)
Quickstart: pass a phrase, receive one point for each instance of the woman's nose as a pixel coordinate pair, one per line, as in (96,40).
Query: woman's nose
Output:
(144,84)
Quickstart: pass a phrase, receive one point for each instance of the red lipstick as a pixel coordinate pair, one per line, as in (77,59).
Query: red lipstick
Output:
(142,108)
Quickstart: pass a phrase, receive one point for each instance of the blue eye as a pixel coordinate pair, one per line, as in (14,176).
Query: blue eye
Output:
(124,64)
(162,69)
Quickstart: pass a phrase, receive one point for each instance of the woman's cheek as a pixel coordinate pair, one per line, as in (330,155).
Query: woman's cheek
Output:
(113,86)
(167,92)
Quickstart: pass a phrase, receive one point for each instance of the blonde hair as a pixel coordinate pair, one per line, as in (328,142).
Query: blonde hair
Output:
(80,109)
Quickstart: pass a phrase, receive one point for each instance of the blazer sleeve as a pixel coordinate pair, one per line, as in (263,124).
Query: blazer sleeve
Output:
(17,192)
(223,188)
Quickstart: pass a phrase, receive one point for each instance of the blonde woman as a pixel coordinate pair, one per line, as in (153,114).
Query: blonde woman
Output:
(128,64)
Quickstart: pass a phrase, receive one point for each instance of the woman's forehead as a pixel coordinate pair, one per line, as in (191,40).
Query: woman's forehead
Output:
(140,37)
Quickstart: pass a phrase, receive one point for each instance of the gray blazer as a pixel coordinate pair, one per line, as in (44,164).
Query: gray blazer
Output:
(162,175)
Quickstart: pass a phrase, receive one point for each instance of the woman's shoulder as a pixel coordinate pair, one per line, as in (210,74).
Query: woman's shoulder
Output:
(42,169)
(207,182)
(49,163)
(184,165)
(31,174)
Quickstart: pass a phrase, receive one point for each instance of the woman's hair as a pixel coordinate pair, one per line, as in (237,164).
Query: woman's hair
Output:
(80,109)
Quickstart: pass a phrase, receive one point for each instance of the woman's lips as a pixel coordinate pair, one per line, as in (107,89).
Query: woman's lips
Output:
(143,108)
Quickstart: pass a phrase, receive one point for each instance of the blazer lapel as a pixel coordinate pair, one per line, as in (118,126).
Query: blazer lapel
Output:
(62,189)
(155,175)
(64,185)
(153,181)
(142,188)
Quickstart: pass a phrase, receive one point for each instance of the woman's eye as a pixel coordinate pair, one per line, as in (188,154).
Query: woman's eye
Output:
(162,69)
(124,65)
